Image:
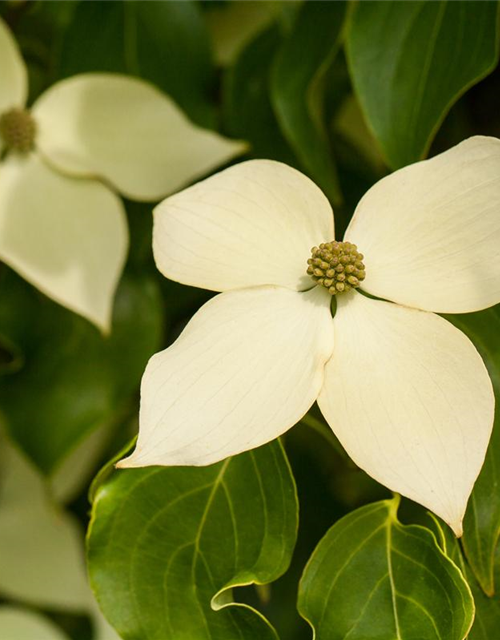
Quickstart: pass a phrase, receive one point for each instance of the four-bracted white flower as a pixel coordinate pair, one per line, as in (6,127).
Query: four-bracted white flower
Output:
(406,393)
(61,227)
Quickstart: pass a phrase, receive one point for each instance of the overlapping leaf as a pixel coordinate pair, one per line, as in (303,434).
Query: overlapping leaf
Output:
(482,520)
(167,545)
(296,88)
(487,618)
(371,576)
(247,101)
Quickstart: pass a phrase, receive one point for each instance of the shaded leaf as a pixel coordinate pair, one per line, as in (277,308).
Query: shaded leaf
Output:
(411,61)
(371,576)
(233,24)
(247,103)
(164,42)
(75,378)
(487,618)
(482,519)
(297,88)
(167,545)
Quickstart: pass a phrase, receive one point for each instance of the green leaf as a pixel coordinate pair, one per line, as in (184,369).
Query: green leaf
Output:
(248,112)
(166,43)
(297,89)
(411,61)
(482,519)
(372,577)
(233,24)
(487,618)
(75,379)
(167,545)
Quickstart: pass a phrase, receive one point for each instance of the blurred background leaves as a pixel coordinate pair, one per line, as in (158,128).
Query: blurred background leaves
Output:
(343,91)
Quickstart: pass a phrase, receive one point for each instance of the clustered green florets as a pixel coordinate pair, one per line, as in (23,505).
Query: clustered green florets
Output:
(337,266)
(18,130)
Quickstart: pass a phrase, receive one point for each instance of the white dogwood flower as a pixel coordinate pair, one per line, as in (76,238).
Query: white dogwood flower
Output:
(61,227)
(405,392)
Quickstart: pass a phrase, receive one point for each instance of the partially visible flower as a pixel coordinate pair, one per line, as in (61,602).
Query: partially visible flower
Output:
(406,393)
(61,227)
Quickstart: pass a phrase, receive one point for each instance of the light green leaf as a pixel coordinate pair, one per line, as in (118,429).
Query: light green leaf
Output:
(371,576)
(297,88)
(75,378)
(167,545)
(482,519)
(23,624)
(411,61)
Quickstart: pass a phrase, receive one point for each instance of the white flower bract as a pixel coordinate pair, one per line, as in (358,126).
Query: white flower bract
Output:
(61,226)
(406,393)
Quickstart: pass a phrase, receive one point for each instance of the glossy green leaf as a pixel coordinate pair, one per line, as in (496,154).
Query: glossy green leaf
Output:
(482,519)
(372,577)
(167,545)
(166,43)
(297,89)
(410,61)
(487,618)
(75,378)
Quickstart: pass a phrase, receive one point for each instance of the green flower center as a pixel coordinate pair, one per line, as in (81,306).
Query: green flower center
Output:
(337,266)
(18,130)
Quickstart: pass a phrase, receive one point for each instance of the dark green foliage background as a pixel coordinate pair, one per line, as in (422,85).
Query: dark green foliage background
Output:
(346,92)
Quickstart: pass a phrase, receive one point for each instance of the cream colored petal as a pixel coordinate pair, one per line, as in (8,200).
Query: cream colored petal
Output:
(127,132)
(247,367)
(252,224)
(13,76)
(68,237)
(430,232)
(17,623)
(409,397)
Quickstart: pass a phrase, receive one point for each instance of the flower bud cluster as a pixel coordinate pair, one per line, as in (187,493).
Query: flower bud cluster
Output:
(17,130)
(337,266)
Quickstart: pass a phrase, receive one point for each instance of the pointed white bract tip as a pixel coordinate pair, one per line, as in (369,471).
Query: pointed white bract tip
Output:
(102,321)
(126,463)
(457,527)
